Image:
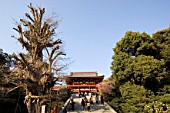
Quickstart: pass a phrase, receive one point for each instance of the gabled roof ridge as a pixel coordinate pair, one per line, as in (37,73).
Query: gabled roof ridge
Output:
(84,72)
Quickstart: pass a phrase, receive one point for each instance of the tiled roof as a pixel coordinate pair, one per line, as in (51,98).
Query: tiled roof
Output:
(83,74)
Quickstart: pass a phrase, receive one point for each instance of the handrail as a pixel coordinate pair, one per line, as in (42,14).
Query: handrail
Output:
(64,107)
(111,109)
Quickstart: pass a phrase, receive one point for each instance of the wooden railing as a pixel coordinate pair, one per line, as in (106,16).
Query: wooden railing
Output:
(65,107)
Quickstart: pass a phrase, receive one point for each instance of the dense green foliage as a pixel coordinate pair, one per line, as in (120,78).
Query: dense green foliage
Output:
(141,73)
(64,94)
(5,61)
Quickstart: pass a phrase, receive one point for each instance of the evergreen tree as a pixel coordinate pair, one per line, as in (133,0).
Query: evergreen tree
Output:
(139,68)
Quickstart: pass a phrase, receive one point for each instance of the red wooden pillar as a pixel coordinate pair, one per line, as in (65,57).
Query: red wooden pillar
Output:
(89,88)
(79,86)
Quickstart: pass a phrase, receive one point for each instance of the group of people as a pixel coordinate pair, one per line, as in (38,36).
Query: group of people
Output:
(88,104)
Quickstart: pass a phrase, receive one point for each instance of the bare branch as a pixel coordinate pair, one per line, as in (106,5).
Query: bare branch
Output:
(16,29)
(18,59)
(28,16)
(20,39)
(54,43)
(32,10)
(52,52)
(58,69)
(35,51)
(13,89)
(47,51)
(59,53)
(24,61)
(42,11)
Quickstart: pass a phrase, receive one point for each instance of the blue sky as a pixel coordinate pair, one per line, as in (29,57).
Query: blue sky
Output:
(89,28)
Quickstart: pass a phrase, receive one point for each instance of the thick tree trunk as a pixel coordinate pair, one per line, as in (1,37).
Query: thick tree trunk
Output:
(28,103)
(33,107)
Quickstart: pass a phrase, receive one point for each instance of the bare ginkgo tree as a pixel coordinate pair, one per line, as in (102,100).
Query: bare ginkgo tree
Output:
(35,73)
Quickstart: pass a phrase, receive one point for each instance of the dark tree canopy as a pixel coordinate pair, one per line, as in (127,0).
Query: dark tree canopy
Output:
(135,43)
(5,63)
(162,38)
(141,62)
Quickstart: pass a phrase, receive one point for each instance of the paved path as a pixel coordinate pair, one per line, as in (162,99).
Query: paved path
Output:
(97,108)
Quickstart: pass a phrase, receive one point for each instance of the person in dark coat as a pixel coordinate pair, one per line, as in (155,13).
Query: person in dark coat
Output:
(97,99)
(83,104)
(102,100)
(72,104)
